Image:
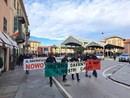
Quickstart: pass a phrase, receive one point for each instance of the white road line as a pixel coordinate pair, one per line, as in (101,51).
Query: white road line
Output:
(67,95)
(107,70)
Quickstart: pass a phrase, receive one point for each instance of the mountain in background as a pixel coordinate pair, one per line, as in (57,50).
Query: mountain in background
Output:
(45,41)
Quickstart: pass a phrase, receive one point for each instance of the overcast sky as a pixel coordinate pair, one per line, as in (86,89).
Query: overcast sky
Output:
(57,19)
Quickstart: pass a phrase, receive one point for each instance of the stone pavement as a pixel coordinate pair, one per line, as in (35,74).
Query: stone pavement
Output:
(16,84)
(122,75)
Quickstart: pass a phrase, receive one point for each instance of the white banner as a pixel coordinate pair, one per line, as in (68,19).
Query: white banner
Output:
(76,67)
(35,63)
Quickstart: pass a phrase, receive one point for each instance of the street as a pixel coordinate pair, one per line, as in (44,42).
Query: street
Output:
(95,87)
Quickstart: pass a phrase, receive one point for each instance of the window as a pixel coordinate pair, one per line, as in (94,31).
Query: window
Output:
(15,4)
(114,42)
(6,1)
(5,25)
(109,42)
(15,24)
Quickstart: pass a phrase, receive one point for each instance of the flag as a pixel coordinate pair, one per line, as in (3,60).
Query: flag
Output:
(16,34)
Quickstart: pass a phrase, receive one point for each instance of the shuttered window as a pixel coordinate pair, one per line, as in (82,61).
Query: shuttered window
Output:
(15,24)
(5,24)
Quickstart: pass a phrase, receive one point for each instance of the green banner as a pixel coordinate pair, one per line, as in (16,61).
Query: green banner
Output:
(55,69)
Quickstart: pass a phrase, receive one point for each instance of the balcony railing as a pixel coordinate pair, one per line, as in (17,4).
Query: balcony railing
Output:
(28,32)
(21,17)
(20,38)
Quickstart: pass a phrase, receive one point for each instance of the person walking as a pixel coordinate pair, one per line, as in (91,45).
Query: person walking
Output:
(75,59)
(65,59)
(28,56)
(87,57)
(20,60)
(93,57)
(1,64)
(51,59)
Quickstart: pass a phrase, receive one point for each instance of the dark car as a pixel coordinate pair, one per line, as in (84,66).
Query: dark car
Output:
(124,57)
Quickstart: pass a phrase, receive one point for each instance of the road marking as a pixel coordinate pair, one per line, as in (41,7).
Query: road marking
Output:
(67,95)
(107,70)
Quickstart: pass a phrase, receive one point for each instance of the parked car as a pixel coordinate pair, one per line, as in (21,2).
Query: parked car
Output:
(124,57)
(100,56)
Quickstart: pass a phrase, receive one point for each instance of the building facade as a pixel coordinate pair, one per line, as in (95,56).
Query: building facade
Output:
(13,18)
(34,46)
(127,46)
(114,40)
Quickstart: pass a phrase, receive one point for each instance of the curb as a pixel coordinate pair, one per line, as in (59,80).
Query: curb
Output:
(62,90)
(119,82)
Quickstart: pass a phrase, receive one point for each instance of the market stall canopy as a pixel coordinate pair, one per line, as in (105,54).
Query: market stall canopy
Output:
(95,44)
(75,41)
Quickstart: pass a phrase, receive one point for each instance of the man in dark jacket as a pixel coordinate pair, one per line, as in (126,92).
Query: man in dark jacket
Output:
(51,59)
(65,59)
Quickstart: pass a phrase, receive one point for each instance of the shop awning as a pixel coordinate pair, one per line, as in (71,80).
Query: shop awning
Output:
(5,40)
(12,42)
(0,42)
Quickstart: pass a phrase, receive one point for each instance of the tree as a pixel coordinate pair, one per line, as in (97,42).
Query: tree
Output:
(79,49)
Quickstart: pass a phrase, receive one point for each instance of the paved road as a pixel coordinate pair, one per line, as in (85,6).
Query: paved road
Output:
(96,87)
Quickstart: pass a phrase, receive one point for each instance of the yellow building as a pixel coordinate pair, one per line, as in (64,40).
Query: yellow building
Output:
(34,46)
(115,40)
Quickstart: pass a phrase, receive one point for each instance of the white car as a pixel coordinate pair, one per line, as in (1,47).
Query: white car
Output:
(100,56)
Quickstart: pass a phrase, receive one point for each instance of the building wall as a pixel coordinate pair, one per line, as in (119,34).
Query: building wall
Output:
(127,46)
(4,12)
(115,41)
(8,11)
(34,46)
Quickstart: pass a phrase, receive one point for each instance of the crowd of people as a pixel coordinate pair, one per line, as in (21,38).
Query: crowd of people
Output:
(76,58)
(51,58)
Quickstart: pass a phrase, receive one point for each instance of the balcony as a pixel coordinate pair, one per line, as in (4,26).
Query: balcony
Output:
(21,38)
(21,17)
(28,33)
(27,44)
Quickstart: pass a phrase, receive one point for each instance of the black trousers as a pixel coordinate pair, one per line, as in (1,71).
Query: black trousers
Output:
(50,80)
(64,77)
(77,75)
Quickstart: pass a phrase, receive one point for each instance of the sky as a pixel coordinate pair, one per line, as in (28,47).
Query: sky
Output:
(52,21)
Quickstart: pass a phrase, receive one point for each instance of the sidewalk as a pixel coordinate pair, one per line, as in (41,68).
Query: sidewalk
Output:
(16,84)
(122,75)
